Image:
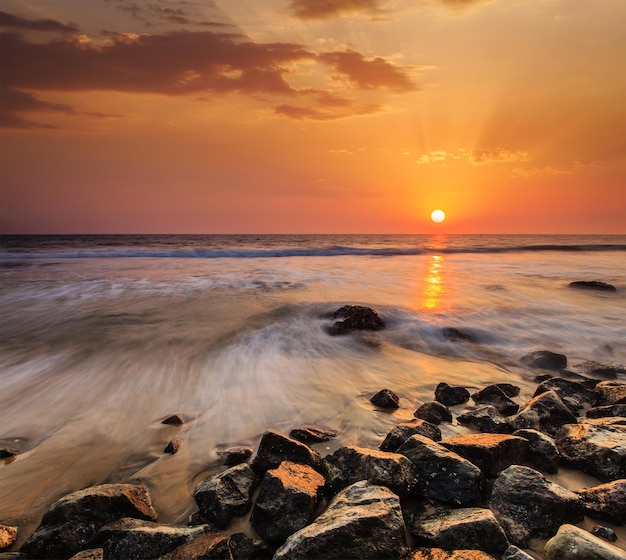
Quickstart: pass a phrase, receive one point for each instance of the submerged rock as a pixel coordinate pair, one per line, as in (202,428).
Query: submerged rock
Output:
(453,334)
(593,285)
(355,318)
(433,412)
(573,543)
(495,396)
(385,398)
(606,502)
(542,451)
(545,359)
(485,419)
(400,433)
(275,448)
(451,396)
(545,413)
(312,434)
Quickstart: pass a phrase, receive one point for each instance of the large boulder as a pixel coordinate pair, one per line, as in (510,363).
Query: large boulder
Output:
(433,412)
(597,449)
(450,396)
(527,505)
(207,546)
(545,359)
(363,521)
(274,448)
(575,396)
(606,502)
(443,475)
(611,392)
(542,451)
(72,521)
(400,433)
(573,543)
(545,412)
(485,419)
(287,501)
(494,395)
(355,318)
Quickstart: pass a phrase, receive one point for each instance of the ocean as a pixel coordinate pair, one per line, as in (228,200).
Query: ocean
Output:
(103,336)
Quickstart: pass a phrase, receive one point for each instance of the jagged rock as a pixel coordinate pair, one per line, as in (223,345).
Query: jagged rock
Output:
(363,521)
(443,475)
(208,546)
(434,553)
(355,317)
(514,553)
(385,398)
(542,451)
(312,434)
(573,543)
(527,505)
(574,395)
(606,502)
(287,501)
(433,412)
(234,456)
(607,411)
(400,433)
(89,554)
(8,536)
(72,521)
(226,495)
(597,449)
(592,285)
(605,533)
(611,392)
(508,389)
(465,528)
(545,413)
(243,547)
(350,464)
(485,419)
(275,448)
(174,420)
(544,359)
(453,334)
(495,396)
(450,396)
(173,446)
(491,453)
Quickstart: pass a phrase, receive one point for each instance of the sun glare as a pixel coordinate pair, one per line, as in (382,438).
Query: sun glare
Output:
(438,216)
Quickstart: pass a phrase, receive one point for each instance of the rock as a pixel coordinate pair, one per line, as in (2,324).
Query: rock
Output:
(312,434)
(234,456)
(495,396)
(544,359)
(611,392)
(89,554)
(491,453)
(607,411)
(542,451)
(450,396)
(573,543)
(363,521)
(174,420)
(545,413)
(597,370)
(605,533)
(443,475)
(574,395)
(275,448)
(597,449)
(434,553)
(514,553)
(400,433)
(226,495)
(287,501)
(355,317)
(485,419)
(243,547)
(433,412)
(606,502)
(465,528)
(350,464)
(453,334)
(593,285)
(173,446)
(527,505)
(7,453)
(508,389)
(208,546)
(385,398)
(8,536)
(72,521)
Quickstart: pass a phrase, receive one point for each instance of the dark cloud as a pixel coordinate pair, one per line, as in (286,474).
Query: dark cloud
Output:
(350,109)
(327,9)
(15,22)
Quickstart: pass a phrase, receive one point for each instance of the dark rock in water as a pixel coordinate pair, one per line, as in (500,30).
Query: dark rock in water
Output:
(385,398)
(400,433)
(542,452)
(243,547)
(443,475)
(450,396)
(204,547)
(574,395)
(485,419)
(605,533)
(514,553)
(495,396)
(350,464)
(465,528)
(491,453)
(226,495)
(72,521)
(174,420)
(173,446)
(597,370)
(235,455)
(7,453)
(545,412)
(8,536)
(607,411)
(363,521)
(275,448)
(527,505)
(457,335)
(312,434)
(573,543)
(544,359)
(355,318)
(606,502)
(611,392)
(287,501)
(593,285)
(597,449)
(433,412)
(435,553)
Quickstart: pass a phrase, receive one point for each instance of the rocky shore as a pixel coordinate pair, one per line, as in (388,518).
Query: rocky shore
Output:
(484,494)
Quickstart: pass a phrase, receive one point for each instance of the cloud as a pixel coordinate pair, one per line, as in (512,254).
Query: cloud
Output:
(327,9)
(549,170)
(476,156)
(317,114)
(15,22)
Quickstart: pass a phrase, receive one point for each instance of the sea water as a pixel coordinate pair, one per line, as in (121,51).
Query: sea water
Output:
(102,337)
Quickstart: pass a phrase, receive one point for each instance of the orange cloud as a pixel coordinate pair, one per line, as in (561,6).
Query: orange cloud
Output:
(327,9)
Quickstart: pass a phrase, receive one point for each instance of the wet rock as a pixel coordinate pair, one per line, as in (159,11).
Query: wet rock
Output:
(453,334)
(243,547)
(287,501)
(72,521)
(226,495)
(89,554)
(527,505)
(508,389)
(433,412)
(234,456)
(544,359)
(434,553)
(514,553)
(611,392)
(355,317)
(385,398)
(573,543)
(605,533)
(312,434)
(597,449)
(465,528)
(173,446)
(542,451)
(545,413)
(363,521)
(443,475)
(450,396)
(485,419)
(400,433)
(350,464)
(593,285)
(574,395)
(598,370)
(8,536)
(275,448)
(7,452)
(607,411)
(491,453)
(174,420)
(606,502)
(208,546)
(494,395)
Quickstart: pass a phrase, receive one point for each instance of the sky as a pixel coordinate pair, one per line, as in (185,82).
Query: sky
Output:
(312,116)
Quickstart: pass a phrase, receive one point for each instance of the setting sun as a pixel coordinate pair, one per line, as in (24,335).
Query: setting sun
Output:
(438,216)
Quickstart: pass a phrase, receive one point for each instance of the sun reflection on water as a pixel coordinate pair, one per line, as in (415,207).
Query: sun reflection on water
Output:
(434,288)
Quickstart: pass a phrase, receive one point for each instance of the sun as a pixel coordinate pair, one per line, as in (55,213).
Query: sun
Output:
(438,216)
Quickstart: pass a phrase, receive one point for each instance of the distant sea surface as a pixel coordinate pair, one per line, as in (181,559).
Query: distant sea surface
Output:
(103,336)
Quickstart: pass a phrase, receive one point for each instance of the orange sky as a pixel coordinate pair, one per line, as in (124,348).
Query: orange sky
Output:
(306,116)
